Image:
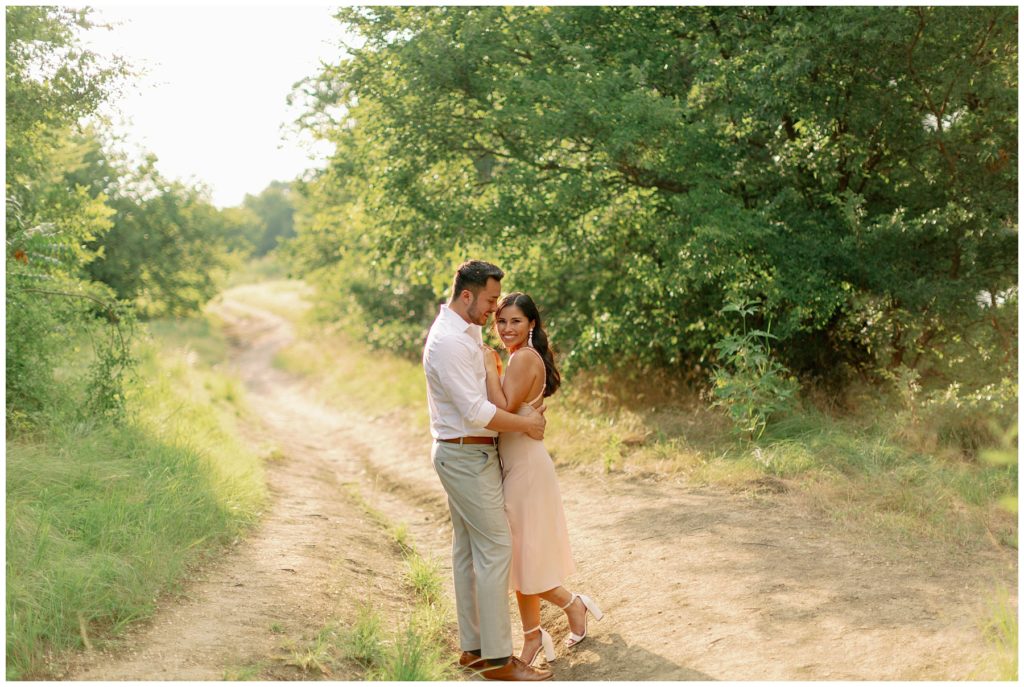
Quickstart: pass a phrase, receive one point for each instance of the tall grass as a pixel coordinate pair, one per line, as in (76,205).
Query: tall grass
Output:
(319,655)
(102,518)
(419,649)
(1001,629)
(424,578)
(364,641)
(414,656)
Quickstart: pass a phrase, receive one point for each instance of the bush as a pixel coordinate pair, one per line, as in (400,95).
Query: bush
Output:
(953,417)
(44,330)
(749,383)
(971,420)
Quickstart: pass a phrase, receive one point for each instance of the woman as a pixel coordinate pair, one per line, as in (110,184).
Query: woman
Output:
(541,557)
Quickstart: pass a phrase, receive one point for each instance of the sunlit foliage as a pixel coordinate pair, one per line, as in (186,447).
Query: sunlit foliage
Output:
(854,170)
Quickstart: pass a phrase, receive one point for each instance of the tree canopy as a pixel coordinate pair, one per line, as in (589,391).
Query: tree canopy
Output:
(275,208)
(852,169)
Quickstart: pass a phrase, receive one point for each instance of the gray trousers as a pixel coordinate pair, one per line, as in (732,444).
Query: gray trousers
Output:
(481,546)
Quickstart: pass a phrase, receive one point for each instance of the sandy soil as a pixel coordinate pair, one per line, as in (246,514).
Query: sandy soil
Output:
(696,584)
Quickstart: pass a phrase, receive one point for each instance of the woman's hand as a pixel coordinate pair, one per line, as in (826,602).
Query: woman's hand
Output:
(492,364)
(492,361)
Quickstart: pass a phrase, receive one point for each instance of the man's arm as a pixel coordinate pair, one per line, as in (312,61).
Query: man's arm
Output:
(532,424)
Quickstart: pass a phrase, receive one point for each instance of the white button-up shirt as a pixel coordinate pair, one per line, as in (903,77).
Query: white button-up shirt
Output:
(456,378)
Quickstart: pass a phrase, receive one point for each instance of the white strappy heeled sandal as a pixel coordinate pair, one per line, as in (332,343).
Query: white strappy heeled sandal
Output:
(590,607)
(546,643)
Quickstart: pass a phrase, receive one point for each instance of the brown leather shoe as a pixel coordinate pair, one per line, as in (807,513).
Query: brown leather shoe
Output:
(515,670)
(470,660)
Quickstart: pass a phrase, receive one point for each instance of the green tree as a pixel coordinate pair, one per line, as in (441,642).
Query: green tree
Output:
(275,208)
(852,169)
(52,85)
(242,228)
(167,244)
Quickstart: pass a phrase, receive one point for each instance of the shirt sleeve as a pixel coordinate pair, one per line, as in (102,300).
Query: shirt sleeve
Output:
(460,379)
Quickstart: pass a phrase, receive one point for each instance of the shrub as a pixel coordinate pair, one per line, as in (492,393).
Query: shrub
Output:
(749,384)
(970,420)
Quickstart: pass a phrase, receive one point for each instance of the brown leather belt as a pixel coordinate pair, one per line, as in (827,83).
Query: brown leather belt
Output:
(493,441)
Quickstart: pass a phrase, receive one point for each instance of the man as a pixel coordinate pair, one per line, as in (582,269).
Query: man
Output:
(464,425)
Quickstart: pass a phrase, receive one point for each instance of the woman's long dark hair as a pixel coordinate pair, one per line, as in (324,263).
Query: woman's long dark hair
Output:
(552,379)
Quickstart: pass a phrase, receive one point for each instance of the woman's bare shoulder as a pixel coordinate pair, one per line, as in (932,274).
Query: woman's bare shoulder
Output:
(525,361)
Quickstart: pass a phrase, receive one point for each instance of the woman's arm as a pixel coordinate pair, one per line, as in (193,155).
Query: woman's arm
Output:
(495,394)
(523,372)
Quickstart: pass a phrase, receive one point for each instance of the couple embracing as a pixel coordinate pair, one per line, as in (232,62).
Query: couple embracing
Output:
(508,526)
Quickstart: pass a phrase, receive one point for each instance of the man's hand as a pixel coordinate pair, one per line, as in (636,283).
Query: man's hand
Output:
(537,424)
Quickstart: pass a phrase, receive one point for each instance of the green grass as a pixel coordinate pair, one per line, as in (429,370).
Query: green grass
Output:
(318,655)
(363,643)
(382,384)
(102,518)
(284,297)
(424,578)
(244,673)
(200,339)
(375,514)
(274,455)
(1001,631)
(400,534)
(414,656)
(860,471)
(419,649)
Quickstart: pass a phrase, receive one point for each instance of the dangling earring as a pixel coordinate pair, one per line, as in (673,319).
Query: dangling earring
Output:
(529,340)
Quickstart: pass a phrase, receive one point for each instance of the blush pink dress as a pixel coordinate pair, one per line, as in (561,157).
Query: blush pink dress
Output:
(541,557)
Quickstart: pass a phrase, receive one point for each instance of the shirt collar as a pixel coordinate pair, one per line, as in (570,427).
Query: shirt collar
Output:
(454,320)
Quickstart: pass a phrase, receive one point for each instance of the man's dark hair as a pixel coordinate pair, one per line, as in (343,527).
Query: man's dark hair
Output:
(473,275)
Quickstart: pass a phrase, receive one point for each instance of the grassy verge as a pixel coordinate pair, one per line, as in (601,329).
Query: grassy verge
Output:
(1001,631)
(865,469)
(103,517)
(417,650)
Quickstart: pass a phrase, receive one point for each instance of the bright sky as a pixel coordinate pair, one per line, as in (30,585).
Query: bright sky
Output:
(212,105)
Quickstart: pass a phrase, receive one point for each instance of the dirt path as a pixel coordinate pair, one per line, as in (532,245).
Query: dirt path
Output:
(696,584)
(313,559)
